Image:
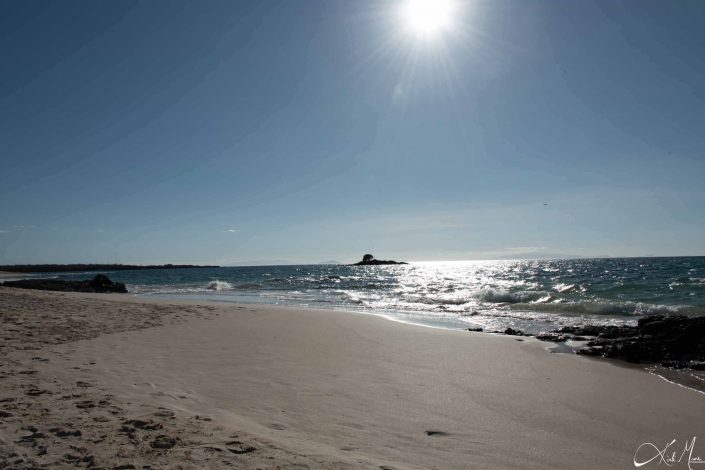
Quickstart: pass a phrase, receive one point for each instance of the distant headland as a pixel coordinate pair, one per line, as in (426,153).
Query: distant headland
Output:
(369,260)
(62,268)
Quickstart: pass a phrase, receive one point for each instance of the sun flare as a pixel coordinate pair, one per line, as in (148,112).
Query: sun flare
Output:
(428,18)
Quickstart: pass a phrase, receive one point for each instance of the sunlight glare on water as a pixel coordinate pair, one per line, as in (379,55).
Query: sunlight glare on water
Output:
(533,295)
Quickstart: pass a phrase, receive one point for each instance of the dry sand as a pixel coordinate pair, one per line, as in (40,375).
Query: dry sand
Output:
(109,381)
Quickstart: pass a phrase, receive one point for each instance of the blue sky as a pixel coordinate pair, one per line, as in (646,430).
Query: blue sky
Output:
(300,131)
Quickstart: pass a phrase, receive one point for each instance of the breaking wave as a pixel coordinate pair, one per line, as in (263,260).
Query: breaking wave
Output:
(219,285)
(612,308)
(499,296)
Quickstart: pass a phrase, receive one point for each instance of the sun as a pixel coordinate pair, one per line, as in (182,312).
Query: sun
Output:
(428,18)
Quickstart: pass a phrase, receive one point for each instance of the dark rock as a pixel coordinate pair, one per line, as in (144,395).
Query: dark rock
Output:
(100,284)
(554,337)
(475,329)
(513,332)
(672,341)
(369,260)
(587,330)
(590,351)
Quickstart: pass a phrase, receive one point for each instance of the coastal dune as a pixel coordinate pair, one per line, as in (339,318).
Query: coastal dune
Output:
(268,387)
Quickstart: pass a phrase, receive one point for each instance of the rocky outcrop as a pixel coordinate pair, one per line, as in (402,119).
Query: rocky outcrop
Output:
(514,332)
(369,260)
(672,341)
(100,283)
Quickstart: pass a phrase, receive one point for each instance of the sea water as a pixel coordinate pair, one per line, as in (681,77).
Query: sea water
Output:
(531,295)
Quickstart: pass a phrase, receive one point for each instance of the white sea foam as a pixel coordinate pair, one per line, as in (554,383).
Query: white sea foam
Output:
(608,308)
(563,287)
(219,285)
(504,296)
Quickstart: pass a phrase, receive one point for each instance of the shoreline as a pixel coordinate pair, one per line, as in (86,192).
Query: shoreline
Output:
(7,275)
(328,389)
(689,379)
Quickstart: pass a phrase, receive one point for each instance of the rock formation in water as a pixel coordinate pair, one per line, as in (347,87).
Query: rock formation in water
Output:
(369,260)
(672,341)
(100,283)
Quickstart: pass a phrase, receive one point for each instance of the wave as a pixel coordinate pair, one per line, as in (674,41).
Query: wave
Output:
(434,299)
(497,296)
(611,308)
(563,287)
(219,285)
(250,286)
(352,297)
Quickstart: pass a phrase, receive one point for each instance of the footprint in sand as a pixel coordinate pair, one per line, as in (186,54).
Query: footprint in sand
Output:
(147,425)
(60,432)
(165,414)
(237,447)
(163,442)
(35,392)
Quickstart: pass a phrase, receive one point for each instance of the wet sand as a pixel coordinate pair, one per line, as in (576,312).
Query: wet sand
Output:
(90,380)
(5,275)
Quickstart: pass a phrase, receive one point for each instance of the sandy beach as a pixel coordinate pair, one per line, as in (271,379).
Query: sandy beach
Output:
(110,381)
(5,275)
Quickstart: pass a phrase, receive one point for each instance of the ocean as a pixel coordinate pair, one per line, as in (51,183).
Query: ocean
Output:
(530,295)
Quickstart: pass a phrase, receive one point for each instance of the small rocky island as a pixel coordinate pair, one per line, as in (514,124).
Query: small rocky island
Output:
(100,284)
(369,260)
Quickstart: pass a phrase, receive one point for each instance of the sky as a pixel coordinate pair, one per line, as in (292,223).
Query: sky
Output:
(301,131)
